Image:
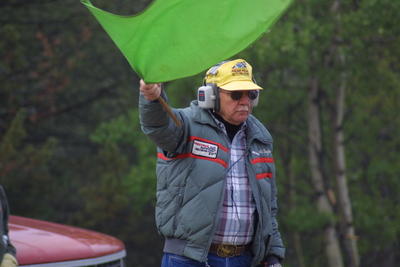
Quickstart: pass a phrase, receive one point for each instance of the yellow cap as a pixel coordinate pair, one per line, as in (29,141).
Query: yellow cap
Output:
(235,75)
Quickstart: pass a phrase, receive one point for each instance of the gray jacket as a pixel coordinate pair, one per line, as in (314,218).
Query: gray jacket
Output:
(192,164)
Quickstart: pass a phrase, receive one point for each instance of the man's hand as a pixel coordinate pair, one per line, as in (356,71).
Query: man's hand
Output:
(270,261)
(9,261)
(151,91)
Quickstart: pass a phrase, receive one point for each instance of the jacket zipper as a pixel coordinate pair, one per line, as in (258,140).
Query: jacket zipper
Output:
(256,194)
(219,203)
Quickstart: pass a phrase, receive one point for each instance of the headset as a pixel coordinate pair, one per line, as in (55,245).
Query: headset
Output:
(208,97)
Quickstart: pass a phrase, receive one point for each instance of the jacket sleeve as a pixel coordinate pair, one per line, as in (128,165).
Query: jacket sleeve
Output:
(277,248)
(158,126)
(6,246)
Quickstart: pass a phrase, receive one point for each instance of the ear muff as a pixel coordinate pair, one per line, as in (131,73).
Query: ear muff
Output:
(254,102)
(208,97)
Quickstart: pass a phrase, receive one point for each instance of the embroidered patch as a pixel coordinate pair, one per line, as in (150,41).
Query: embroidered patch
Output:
(204,149)
(240,69)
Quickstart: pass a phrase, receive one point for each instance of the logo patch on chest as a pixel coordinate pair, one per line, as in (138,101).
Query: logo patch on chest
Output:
(204,149)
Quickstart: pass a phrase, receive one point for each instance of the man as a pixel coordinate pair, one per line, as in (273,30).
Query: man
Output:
(216,192)
(7,251)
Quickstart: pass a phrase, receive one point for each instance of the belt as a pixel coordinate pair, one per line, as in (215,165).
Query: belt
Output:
(225,250)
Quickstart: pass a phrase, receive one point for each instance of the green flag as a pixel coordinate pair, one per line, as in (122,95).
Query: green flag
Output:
(172,39)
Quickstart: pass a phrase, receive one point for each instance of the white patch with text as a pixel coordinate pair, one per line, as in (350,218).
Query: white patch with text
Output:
(204,149)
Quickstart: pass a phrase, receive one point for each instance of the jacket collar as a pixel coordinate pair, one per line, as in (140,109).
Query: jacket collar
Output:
(257,131)
(202,116)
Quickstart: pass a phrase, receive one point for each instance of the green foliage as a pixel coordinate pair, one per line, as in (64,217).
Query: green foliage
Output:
(304,218)
(18,160)
(125,138)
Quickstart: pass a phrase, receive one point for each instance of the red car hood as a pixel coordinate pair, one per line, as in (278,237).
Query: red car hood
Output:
(39,241)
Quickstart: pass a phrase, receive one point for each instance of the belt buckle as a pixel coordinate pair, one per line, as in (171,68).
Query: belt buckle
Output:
(226,250)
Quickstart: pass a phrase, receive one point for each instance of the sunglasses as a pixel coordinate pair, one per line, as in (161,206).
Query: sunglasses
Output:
(237,95)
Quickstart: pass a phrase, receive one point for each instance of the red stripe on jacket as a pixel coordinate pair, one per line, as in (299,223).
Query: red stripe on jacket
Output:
(264,175)
(262,160)
(190,155)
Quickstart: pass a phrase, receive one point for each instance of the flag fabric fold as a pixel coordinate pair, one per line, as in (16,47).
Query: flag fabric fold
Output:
(173,39)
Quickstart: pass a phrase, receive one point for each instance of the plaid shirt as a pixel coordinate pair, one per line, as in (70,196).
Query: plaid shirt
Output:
(236,223)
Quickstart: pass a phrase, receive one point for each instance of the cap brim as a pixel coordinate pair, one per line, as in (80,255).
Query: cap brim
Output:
(240,86)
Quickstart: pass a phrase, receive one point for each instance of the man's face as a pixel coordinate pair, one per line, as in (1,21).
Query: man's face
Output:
(235,111)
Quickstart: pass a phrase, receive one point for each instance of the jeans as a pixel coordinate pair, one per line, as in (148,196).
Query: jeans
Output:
(173,260)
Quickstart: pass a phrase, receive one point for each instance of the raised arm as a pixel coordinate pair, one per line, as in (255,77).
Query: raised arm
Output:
(155,122)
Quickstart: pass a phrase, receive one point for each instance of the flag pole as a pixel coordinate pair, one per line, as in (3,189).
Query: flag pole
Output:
(168,109)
